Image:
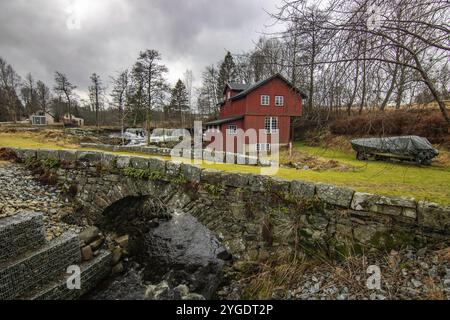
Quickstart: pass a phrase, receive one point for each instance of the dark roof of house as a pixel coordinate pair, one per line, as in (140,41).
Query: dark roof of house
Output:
(236,86)
(222,121)
(263,82)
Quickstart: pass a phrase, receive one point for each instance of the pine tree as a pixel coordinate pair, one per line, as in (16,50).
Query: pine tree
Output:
(179,102)
(227,74)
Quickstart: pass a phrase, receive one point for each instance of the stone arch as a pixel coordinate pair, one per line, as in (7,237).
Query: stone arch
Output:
(169,243)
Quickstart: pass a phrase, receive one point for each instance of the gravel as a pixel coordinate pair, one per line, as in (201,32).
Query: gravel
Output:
(20,191)
(408,274)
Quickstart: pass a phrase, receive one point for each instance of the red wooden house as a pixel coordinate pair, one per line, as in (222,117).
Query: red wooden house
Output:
(267,106)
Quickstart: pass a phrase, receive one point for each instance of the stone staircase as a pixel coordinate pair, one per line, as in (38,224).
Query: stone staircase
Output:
(32,268)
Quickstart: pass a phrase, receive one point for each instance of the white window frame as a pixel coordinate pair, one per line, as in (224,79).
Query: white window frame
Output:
(229,95)
(41,118)
(271,125)
(232,130)
(262,147)
(263,100)
(279,101)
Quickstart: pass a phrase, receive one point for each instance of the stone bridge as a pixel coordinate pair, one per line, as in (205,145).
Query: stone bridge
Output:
(250,214)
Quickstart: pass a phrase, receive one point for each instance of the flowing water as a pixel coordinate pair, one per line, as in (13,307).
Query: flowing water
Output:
(181,251)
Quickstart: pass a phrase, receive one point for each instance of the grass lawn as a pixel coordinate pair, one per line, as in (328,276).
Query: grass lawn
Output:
(393,179)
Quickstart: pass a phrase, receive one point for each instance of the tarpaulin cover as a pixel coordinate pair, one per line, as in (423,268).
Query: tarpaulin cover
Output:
(406,145)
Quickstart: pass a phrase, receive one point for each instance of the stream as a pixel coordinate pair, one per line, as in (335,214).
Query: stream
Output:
(180,259)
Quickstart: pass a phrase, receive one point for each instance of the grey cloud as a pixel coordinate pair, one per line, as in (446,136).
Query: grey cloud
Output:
(190,34)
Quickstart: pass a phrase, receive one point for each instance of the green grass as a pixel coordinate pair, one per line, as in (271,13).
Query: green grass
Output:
(392,179)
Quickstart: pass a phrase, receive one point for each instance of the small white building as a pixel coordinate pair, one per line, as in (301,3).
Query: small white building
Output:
(42,118)
(72,120)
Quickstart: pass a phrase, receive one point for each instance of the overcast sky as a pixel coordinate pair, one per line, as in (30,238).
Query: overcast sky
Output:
(79,37)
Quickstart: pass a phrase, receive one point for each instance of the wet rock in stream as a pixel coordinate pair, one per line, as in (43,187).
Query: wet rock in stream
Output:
(178,260)
(183,252)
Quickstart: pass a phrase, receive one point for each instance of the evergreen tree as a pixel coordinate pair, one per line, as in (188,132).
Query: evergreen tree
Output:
(227,74)
(179,103)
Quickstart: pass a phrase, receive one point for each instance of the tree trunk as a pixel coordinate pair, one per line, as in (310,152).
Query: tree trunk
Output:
(433,90)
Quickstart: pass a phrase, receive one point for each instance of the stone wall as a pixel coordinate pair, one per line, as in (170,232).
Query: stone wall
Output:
(208,155)
(253,214)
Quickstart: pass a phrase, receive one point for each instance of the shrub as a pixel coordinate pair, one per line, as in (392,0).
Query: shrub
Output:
(7,154)
(428,124)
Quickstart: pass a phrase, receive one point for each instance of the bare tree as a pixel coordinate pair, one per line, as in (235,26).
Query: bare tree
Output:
(155,83)
(9,83)
(96,91)
(64,87)
(43,96)
(121,85)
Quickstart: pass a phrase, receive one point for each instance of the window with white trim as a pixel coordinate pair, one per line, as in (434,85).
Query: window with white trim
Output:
(265,100)
(271,125)
(279,101)
(262,147)
(229,95)
(232,129)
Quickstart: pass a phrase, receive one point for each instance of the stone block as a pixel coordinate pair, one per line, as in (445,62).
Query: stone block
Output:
(279,185)
(190,172)
(385,205)
(211,176)
(172,169)
(334,195)
(434,216)
(157,165)
(109,161)
(235,179)
(25,153)
(68,155)
(302,189)
(43,154)
(259,182)
(123,162)
(91,157)
(139,163)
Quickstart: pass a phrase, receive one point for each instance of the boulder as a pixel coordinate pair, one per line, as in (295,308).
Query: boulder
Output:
(118,269)
(97,243)
(89,235)
(116,256)
(123,241)
(160,291)
(180,292)
(86,253)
